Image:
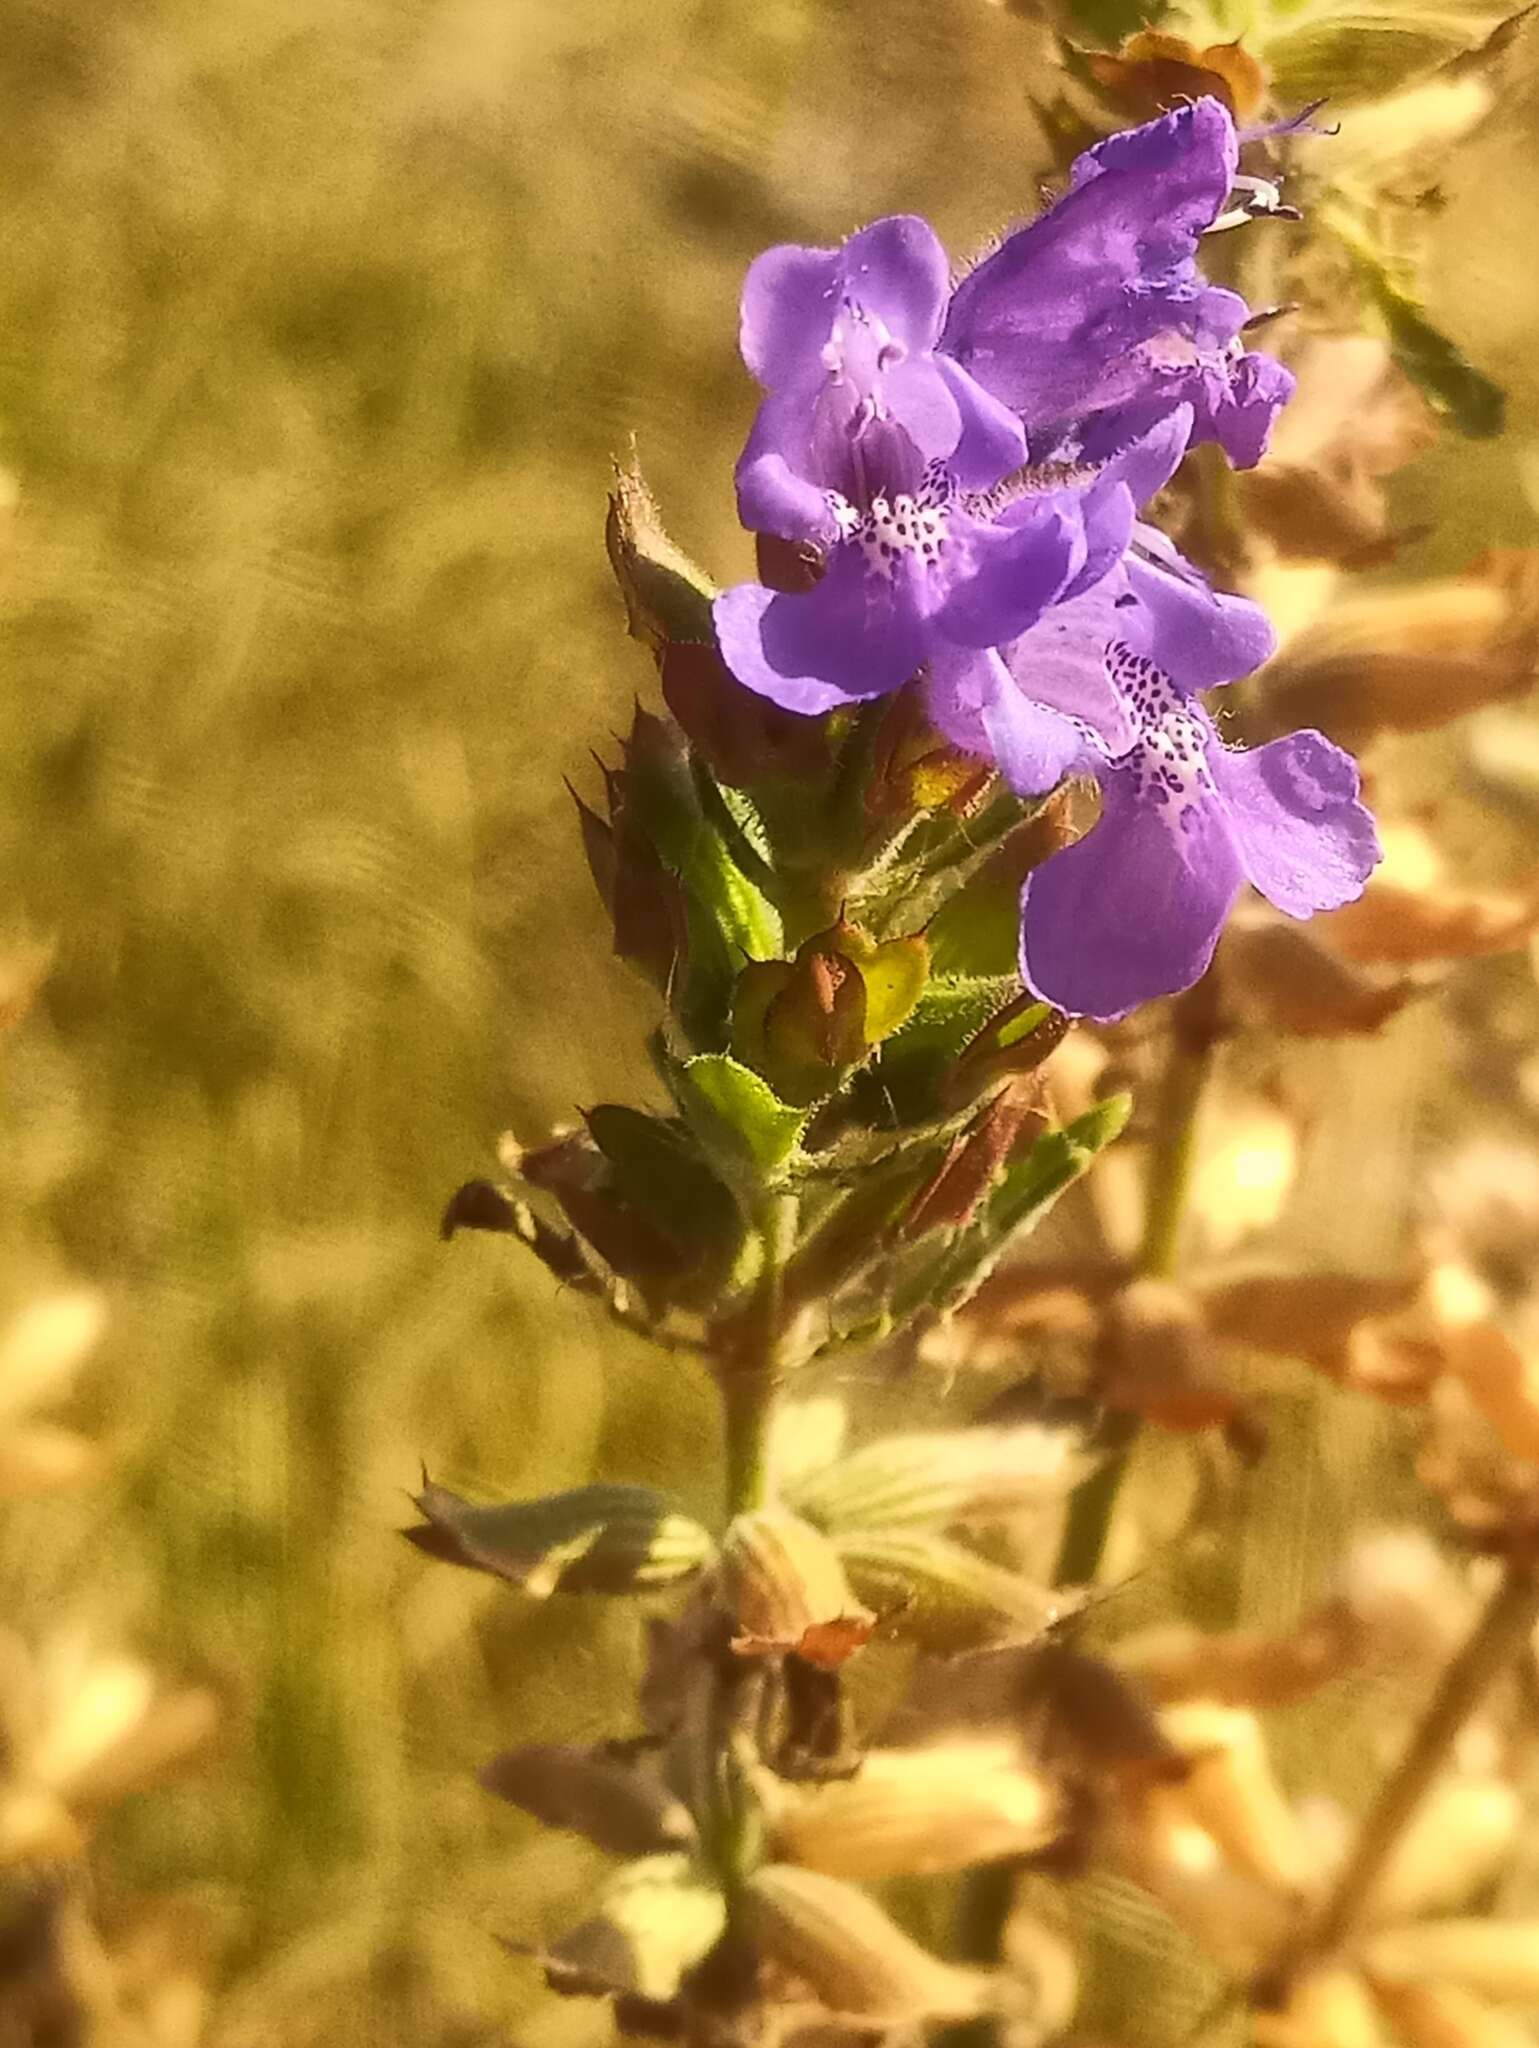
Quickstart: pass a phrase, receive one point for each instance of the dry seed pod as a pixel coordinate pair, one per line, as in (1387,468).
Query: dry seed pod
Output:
(1284,979)
(1245,1667)
(850,1954)
(1502,1383)
(1232,1791)
(1393,925)
(656,1920)
(1044,1963)
(1328,2008)
(916,1812)
(1437,2016)
(1153,72)
(1157,1842)
(1312,1316)
(1460,1840)
(942,1479)
(786,1587)
(1492,1496)
(1158,1361)
(612,1803)
(1496,1959)
(1408,660)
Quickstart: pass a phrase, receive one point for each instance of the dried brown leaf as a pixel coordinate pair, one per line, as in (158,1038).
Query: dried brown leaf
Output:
(1390,923)
(1283,979)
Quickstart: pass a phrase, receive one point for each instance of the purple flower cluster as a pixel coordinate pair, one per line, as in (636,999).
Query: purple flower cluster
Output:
(969,465)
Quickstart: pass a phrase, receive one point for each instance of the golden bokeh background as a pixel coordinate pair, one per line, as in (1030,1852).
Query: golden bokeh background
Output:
(319,329)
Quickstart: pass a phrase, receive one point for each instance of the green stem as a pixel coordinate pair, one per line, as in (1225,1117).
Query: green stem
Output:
(987,1895)
(1196,1026)
(750,1380)
(1503,1628)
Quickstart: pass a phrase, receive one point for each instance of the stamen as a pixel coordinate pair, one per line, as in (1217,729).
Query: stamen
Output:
(1252,199)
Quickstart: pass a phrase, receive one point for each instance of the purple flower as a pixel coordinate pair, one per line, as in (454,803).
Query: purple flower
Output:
(1093,318)
(1103,687)
(876,449)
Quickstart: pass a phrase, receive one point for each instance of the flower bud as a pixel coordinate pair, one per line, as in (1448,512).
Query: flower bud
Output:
(806,1023)
(1232,1791)
(787,1590)
(656,1920)
(1153,72)
(1438,2016)
(941,1479)
(1497,1959)
(917,1812)
(847,1951)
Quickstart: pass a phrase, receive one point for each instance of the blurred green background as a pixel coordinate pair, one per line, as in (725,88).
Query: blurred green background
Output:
(319,327)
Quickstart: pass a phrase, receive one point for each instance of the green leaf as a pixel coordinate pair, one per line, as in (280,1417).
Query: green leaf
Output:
(1460,392)
(666,596)
(615,1804)
(953,1596)
(660,787)
(1023,1197)
(908,1077)
(738,1117)
(656,1919)
(895,974)
(1362,54)
(594,1539)
(658,1166)
(939,1479)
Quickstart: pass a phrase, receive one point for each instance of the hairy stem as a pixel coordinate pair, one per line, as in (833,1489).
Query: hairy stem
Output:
(750,1380)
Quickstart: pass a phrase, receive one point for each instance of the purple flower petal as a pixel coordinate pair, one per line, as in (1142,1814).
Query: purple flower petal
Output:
(993,441)
(1200,636)
(1254,392)
(1133,910)
(1191,153)
(1062,664)
(1305,841)
(1000,579)
(973,700)
(897,270)
(853,635)
(1040,322)
(774,490)
(920,399)
(790,296)
(1147,461)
